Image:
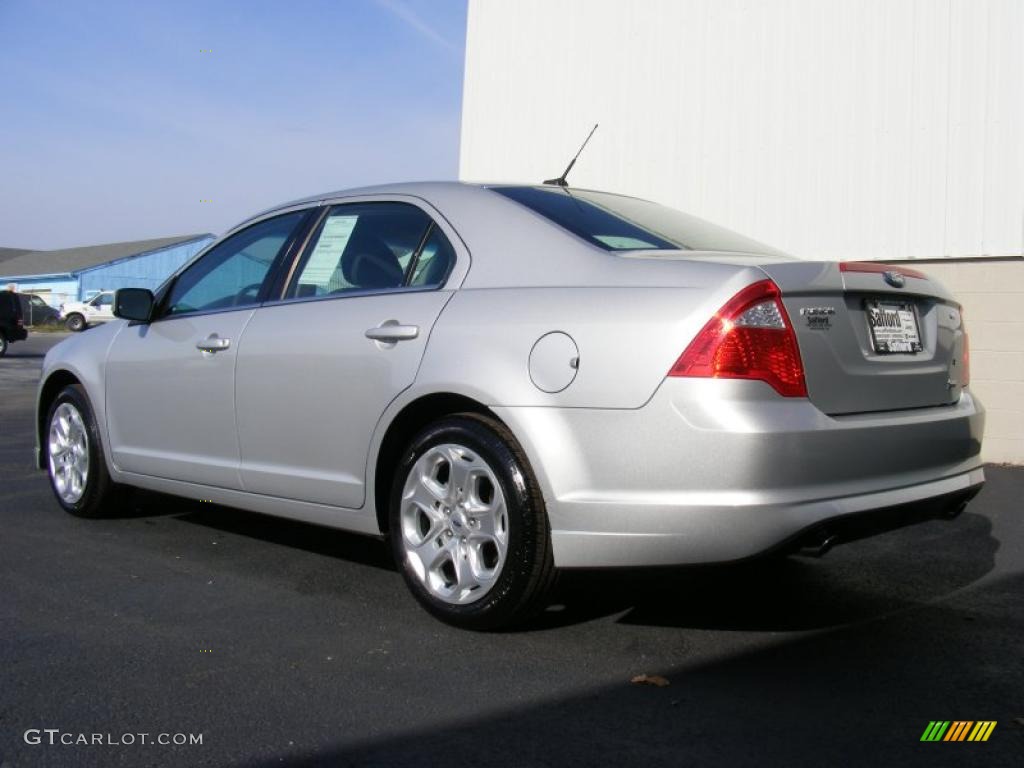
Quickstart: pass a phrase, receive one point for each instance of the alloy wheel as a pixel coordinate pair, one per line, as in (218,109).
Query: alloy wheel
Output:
(68,452)
(454,523)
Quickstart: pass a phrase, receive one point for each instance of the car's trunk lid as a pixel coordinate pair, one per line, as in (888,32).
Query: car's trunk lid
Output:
(851,368)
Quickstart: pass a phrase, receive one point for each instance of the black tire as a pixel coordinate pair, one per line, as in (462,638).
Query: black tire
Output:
(101,497)
(75,323)
(3,345)
(528,571)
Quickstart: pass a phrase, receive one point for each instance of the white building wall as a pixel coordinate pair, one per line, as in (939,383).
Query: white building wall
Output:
(836,129)
(992,294)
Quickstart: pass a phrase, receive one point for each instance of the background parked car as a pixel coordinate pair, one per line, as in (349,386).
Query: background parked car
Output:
(12,327)
(79,315)
(35,311)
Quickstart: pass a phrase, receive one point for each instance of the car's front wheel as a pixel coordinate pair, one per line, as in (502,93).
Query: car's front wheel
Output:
(74,458)
(3,345)
(75,322)
(468,526)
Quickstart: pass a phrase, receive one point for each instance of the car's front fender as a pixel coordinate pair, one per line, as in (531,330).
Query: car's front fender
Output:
(82,357)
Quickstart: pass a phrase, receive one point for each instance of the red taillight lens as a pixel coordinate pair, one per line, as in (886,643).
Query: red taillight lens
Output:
(748,338)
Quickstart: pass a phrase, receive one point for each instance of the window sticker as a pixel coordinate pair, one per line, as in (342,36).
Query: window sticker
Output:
(326,256)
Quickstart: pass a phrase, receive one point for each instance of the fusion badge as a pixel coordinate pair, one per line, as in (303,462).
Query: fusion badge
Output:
(819,318)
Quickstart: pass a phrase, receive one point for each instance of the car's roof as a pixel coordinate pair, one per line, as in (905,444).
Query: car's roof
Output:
(429,190)
(511,242)
(513,246)
(438,192)
(398,188)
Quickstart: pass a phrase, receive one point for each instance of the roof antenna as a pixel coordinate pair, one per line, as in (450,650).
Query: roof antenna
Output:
(560,181)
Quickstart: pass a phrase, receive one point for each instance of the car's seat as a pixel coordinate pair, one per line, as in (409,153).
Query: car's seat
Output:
(369,263)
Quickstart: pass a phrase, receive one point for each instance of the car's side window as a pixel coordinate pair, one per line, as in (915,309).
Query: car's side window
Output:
(104,300)
(366,247)
(434,262)
(232,273)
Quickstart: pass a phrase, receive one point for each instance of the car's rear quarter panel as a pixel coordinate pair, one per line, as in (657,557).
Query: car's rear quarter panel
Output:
(628,339)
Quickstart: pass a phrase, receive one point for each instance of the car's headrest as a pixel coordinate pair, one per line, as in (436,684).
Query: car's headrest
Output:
(369,263)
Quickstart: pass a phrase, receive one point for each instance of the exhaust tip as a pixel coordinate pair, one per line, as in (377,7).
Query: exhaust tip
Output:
(819,545)
(956,510)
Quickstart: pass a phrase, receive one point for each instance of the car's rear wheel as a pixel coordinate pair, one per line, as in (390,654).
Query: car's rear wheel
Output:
(74,458)
(468,526)
(75,323)
(3,345)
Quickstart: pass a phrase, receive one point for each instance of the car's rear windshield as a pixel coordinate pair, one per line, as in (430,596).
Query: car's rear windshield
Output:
(618,223)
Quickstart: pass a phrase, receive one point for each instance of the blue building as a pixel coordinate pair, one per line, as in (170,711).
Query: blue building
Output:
(74,274)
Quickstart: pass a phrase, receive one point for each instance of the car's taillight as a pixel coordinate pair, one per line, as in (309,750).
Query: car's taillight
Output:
(750,337)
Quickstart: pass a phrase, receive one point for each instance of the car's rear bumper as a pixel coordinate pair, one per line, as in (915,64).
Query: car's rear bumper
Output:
(715,471)
(735,533)
(15,333)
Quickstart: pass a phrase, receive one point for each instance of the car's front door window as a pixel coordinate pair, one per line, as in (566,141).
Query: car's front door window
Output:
(232,274)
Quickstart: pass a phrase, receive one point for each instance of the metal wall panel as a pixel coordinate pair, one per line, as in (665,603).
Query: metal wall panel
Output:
(147,270)
(832,129)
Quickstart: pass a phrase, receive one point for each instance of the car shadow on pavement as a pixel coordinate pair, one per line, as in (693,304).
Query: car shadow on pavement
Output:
(320,540)
(13,352)
(855,582)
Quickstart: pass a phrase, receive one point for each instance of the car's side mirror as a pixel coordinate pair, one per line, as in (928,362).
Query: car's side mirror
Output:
(134,304)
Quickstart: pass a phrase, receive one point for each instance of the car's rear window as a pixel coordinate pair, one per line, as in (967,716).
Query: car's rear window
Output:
(618,223)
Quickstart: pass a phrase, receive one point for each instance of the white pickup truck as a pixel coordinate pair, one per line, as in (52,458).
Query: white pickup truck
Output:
(79,315)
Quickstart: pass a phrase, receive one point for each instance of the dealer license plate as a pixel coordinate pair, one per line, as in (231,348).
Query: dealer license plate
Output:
(892,326)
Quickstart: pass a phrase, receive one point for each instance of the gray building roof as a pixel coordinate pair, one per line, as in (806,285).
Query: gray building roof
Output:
(10,253)
(67,260)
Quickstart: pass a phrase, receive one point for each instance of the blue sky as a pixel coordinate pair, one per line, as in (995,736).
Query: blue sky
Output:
(115,124)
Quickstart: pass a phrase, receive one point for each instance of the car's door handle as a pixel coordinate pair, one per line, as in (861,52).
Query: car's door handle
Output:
(392,331)
(213,344)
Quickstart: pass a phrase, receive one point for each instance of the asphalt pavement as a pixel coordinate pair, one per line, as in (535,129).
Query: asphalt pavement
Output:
(280,643)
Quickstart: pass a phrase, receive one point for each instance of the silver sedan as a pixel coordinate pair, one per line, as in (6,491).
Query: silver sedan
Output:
(505,380)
